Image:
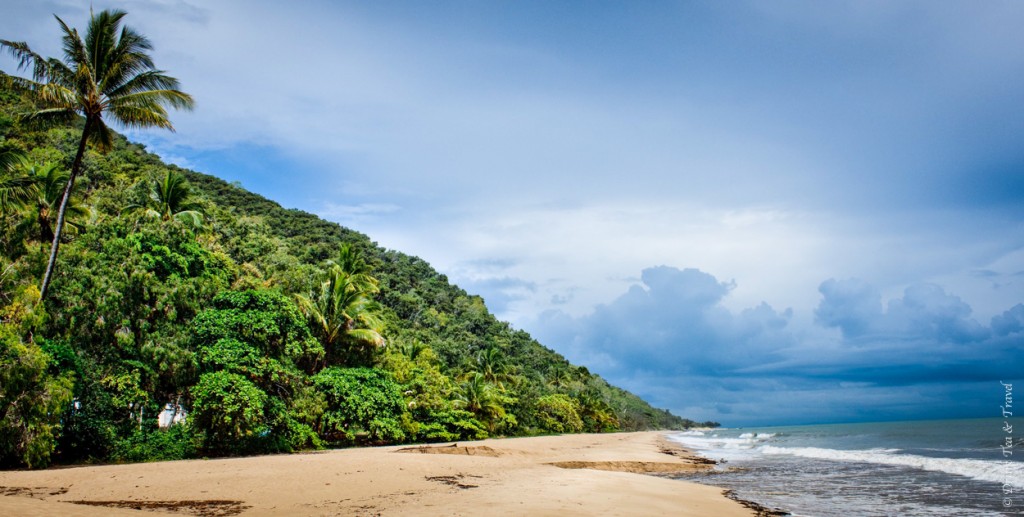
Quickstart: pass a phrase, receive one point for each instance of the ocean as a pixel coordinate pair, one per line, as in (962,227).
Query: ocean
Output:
(920,468)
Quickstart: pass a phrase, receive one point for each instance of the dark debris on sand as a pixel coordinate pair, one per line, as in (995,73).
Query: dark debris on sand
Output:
(209,508)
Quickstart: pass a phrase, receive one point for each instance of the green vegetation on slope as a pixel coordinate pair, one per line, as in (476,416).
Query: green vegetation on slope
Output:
(275,330)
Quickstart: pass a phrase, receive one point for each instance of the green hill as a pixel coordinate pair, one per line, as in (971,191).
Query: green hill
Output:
(203,297)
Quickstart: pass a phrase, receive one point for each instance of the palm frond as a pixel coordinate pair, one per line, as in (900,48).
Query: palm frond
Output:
(15,193)
(140,117)
(127,59)
(47,117)
(368,336)
(191,217)
(101,39)
(75,53)
(150,80)
(9,158)
(27,59)
(175,98)
(55,95)
(59,72)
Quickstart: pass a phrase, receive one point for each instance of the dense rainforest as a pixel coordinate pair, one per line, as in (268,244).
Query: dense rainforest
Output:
(188,317)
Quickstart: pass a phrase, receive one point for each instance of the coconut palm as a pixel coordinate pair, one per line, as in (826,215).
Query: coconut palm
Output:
(494,367)
(34,191)
(47,185)
(171,198)
(352,262)
(109,73)
(484,400)
(344,316)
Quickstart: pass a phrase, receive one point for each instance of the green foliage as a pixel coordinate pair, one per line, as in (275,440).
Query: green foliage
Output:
(252,396)
(343,315)
(127,293)
(264,319)
(32,399)
(175,443)
(559,413)
(486,401)
(230,410)
(364,405)
(450,424)
(169,198)
(430,396)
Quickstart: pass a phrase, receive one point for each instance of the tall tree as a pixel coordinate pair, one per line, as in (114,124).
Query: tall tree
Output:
(342,312)
(108,74)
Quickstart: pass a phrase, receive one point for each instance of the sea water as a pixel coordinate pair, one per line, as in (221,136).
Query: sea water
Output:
(921,468)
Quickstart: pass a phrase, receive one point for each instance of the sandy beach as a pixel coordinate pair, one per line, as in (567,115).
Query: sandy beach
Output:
(586,474)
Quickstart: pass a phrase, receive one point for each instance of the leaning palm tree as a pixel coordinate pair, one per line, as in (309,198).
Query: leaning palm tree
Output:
(108,74)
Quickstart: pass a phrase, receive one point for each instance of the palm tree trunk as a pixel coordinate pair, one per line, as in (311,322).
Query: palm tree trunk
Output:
(75,166)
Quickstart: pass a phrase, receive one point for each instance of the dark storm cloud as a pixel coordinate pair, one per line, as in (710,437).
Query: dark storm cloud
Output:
(671,339)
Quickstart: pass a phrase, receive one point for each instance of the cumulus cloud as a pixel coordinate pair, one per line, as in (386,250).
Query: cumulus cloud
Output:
(925,311)
(674,322)
(1009,322)
(671,338)
(848,305)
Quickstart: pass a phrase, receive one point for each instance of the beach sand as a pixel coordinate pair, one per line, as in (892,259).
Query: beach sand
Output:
(588,474)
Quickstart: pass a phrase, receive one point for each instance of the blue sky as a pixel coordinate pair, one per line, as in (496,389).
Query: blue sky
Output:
(753,212)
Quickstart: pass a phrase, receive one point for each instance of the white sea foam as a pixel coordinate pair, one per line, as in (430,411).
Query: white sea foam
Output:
(750,445)
(1009,472)
(720,447)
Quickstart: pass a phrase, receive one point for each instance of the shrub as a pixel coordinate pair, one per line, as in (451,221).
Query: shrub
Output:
(559,413)
(364,405)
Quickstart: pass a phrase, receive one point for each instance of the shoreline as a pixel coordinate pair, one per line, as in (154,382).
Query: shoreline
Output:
(583,474)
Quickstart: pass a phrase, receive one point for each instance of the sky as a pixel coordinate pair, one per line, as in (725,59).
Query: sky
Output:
(756,212)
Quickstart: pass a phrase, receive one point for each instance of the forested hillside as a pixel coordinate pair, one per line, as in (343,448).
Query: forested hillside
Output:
(267,329)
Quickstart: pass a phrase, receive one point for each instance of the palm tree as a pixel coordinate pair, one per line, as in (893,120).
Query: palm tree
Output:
(47,184)
(494,366)
(109,73)
(484,400)
(172,198)
(344,316)
(352,262)
(35,190)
